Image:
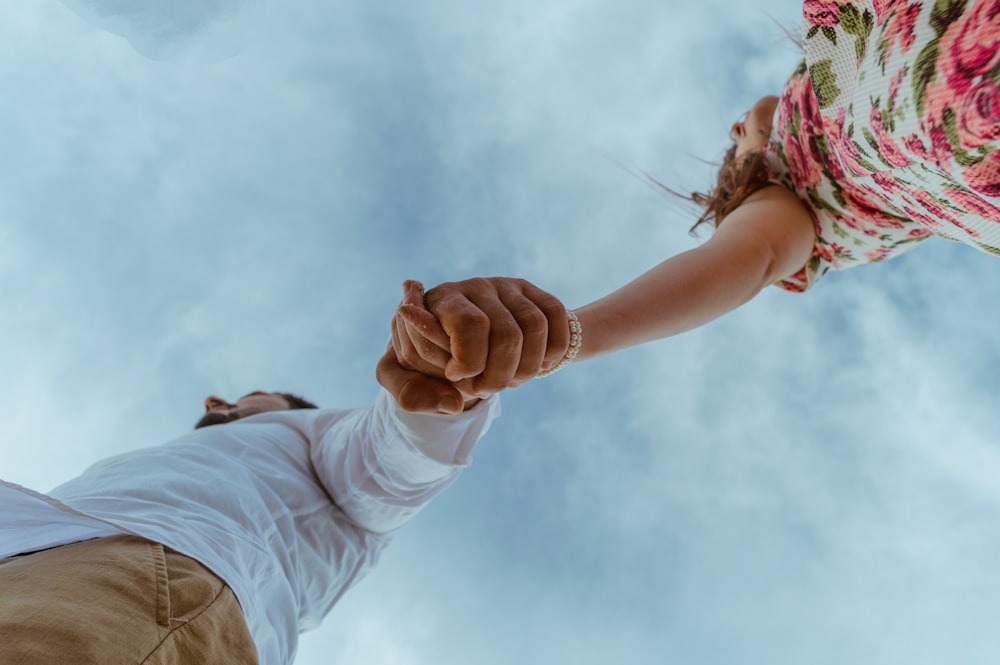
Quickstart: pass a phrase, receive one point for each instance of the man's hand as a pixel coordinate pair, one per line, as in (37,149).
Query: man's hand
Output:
(418,392)
(484,334)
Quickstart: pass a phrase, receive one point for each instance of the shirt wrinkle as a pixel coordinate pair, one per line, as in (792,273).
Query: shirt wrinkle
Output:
(289,508)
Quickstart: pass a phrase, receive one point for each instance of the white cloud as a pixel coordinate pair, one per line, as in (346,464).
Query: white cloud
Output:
(179,30)
(809,479)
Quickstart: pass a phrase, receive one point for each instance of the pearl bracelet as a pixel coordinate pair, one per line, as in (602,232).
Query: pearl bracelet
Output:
(575,342)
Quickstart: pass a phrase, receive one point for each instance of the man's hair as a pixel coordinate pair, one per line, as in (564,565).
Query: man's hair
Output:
(216,418)
(296,402)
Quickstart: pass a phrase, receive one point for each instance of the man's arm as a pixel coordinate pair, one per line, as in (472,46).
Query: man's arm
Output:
(383,464)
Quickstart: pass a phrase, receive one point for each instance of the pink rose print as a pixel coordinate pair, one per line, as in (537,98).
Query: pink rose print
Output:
(969,47)
(922,218)
(808,103)
(886,145)
(879,254)
(916,146)
(843,146)
(900,28)
(871,211)
(832,253)
(814,125)
(797,282)
(839,251)
(821,13)
(974,204)
(804,171)
(907,143)
(884,8)
(805,159)
(933,207)
(830,161)
(886,183)
(938,98)
(823,252)
(799,94)
(984,176)
(979,116)
(895,83)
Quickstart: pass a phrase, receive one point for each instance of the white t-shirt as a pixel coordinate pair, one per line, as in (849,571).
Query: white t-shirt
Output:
(289,508)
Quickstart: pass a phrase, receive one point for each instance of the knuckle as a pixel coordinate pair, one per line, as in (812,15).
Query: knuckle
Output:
(506,336)
(484,387)
(475,322)
(511,285)
(438,292)
(409,398)
(533,322)
(465,386)
(407,358)
(479,282)
(553,308)
(381,370)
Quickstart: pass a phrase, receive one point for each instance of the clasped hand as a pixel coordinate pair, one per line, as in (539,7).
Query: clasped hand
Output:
(462,341)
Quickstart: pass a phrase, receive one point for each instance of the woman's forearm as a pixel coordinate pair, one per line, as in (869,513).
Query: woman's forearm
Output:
(682,293)
(766,239)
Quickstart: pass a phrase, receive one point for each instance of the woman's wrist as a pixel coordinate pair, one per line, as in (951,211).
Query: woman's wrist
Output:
(575,344)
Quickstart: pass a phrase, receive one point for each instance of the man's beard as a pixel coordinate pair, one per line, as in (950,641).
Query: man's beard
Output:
(218,418)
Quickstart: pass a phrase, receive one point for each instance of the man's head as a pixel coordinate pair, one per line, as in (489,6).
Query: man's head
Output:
(218,411)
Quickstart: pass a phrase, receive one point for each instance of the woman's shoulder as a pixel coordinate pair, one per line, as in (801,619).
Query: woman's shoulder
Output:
(772,212)
(777,198)
(771,222)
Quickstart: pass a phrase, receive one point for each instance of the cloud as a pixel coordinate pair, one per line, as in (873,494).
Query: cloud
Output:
(200,31)
(807,479)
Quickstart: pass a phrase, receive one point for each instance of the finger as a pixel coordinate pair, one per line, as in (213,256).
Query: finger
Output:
(413,293)
(424,323)
(557,335)
(466,387)
(505,340)
(415,391)
(429,352)
(467,327)
(412,307)
(534,326)
(394,338)
(409,354)
(401,344)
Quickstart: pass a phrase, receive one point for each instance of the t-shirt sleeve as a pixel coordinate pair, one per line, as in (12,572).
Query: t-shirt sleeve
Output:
(381,465)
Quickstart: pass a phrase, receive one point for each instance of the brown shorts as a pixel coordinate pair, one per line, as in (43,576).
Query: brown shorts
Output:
(121,600)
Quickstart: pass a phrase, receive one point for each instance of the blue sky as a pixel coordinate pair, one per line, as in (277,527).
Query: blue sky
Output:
(810,479)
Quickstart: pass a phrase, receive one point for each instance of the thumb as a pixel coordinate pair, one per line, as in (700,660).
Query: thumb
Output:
(415,391)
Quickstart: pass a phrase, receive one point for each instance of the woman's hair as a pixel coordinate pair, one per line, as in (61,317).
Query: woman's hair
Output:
(738,178)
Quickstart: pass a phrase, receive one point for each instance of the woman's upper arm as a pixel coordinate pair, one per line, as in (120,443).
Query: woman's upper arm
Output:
(775,223)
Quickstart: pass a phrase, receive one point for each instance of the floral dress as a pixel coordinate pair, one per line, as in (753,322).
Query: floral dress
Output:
(889,130)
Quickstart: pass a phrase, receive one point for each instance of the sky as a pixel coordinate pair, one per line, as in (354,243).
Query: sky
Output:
(231,201)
